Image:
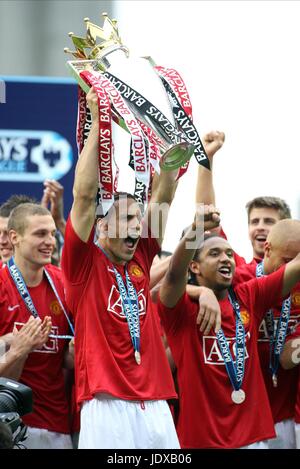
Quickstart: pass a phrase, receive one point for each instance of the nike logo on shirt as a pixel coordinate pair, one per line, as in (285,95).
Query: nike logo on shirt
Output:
(11,308)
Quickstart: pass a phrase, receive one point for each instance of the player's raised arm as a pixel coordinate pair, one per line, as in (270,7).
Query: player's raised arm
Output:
(86,177)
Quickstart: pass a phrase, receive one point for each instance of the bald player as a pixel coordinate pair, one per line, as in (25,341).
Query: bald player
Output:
(281,246)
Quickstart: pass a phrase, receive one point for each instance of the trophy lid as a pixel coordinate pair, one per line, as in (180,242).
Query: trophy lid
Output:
(88,48)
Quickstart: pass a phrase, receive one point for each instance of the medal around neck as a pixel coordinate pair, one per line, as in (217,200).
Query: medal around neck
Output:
(238,396)
(155,96)
(137,357)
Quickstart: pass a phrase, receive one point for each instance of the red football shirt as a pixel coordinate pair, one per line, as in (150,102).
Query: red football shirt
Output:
(104,353)
(208,418)
(283,397)
(43,370)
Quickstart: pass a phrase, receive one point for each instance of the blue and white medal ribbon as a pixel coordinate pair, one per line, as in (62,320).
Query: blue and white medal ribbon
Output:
(25,295)
(276,340)
(235,370)
(131,309)
(130,304)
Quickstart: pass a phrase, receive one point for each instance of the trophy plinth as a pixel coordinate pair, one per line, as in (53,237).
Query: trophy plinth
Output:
(176,156)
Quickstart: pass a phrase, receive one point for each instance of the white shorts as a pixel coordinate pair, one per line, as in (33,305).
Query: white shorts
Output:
(256,445)
(285,435)
(297,432)
(39,438)
(110,423)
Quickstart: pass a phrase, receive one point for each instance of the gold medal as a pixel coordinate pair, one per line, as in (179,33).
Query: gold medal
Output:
(137,357)
(274,379)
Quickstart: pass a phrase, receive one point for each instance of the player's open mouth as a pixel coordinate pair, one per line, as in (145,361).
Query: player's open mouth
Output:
(131,242)
(6,251)
(45,252)
(225,271)
(260,238)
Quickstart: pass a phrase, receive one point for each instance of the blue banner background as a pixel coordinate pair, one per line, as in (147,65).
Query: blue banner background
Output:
(44,105)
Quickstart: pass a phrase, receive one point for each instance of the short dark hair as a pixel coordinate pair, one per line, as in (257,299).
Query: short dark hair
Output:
(117,196)
(276,203)
(191,276)
(14,200)
(18,217)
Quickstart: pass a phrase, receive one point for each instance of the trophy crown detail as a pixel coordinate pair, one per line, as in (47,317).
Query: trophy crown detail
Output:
(88,48)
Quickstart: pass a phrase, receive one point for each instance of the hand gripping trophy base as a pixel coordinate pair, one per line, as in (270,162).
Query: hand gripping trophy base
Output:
(176,156)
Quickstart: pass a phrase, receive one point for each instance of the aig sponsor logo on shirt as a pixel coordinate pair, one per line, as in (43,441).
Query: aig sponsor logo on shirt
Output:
(115,302)
(263,330)
(51,345)
(212,353)
(33,156)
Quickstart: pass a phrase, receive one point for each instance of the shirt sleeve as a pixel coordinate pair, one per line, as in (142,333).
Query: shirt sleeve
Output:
(172,318)
(77,256)
(148,247)
(262,294)
(243,273)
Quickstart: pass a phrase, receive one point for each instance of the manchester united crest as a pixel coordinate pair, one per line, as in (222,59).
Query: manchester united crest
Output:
(135,271)
(296,298)
(55,308)
(245,317)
